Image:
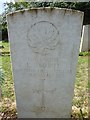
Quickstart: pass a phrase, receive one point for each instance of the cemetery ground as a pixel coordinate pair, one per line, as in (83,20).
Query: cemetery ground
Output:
(8,103)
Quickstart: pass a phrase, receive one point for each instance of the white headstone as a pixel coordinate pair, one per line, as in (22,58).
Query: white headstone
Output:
(44,50)
(85,39)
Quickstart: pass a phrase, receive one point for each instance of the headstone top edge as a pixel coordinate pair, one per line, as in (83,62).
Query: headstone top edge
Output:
(45,8)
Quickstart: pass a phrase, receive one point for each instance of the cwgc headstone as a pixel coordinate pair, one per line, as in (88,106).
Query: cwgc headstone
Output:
(85,39)
(44,50)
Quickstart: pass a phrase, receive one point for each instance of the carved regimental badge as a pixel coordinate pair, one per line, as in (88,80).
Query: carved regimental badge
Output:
(43,37)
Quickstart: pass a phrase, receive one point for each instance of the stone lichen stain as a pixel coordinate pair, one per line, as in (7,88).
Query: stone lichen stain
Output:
(48,9)
(33,11)
(17,12)
(22,11)
(70,11)
(39,109)
(65,11)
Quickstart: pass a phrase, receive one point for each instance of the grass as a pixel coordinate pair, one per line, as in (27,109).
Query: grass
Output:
(80,101)
(84,54)
(7,103)
(7,91)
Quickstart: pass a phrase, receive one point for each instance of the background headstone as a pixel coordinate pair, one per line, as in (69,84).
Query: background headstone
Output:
(85,39)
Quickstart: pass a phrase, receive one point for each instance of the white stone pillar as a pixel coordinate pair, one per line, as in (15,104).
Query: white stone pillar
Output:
(44,51)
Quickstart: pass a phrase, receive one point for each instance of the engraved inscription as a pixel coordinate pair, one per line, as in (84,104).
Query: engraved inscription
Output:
(42,37)
(45,91)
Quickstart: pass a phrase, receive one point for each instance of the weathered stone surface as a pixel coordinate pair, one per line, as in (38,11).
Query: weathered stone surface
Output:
(44,50)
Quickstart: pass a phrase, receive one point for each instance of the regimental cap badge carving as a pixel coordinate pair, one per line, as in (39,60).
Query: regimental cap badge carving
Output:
(42,37)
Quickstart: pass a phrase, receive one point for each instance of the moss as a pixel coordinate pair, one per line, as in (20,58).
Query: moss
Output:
(84,54)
